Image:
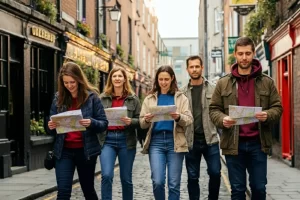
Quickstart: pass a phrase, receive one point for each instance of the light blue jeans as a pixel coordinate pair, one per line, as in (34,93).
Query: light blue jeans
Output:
(115,146)
(162,155)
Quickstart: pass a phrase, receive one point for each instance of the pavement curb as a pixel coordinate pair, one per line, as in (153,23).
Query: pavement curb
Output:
(54,188)
(248,191)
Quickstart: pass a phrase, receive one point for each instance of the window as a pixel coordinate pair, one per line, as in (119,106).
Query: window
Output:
(149,62)
(218,65)
(129,36)
(41,81)
(138,49)
(137,5)
(144,58)
(177,68)
(152,34)
(81,10)
(144,14)
(148,24)
(217,20)
(3,72)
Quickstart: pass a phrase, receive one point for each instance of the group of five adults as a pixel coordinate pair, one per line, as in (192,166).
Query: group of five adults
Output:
(201,109)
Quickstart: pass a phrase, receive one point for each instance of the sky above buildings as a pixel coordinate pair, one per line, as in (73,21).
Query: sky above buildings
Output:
(177,18)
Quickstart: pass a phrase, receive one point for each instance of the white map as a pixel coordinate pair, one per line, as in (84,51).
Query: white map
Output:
(114,115)
(162,113)
(243,114)
(68,121)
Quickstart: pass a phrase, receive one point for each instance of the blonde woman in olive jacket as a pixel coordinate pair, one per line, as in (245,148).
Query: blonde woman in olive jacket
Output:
(165,141)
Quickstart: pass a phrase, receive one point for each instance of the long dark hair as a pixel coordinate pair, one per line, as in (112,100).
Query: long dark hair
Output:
(64,96)
(173,86)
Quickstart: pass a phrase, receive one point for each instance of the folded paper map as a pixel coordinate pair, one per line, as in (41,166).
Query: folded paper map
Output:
(243,114)
(68,121)
(162,113)
(114,115)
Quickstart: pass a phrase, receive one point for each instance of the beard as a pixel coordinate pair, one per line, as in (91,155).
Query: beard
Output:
(197,77)
(245,66)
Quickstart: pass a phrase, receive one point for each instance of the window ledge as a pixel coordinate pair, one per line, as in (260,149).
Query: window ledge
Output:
(40,140)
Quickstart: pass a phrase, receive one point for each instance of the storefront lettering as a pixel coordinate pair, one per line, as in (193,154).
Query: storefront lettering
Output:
(87,57)
(42,33)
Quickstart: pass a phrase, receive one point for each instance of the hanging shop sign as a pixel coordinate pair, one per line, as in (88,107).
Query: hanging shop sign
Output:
(216,53)
(43,34)
(234,3)
(86,56)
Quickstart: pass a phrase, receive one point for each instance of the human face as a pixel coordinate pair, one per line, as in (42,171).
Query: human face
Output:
(164,81)
(244,56)
(118,79)
(194,69)
(71,84)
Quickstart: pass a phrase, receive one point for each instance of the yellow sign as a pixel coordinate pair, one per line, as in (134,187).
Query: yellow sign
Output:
(88,57)
(243,2)
(42,33)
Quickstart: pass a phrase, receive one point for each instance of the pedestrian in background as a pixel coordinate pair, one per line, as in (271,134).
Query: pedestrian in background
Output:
(78,149)
(246,146)
(202,134)
(119,141)
(166,142)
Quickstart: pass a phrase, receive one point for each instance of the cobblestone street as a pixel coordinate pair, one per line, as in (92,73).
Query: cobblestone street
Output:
(143,186)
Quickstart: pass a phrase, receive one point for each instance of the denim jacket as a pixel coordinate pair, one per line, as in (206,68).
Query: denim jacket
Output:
(133,111)
(91,109)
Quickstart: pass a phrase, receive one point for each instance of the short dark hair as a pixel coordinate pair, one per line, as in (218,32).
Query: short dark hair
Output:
(196,57)
(244,41)
(173,87)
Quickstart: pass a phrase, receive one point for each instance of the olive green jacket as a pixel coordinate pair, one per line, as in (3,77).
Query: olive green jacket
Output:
(210,131)
(225,94)
(133,111)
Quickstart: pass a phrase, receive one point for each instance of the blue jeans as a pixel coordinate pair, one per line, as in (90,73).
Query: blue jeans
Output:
(250,158)
(192,161)
(64,170)
(162,155)
(115,145)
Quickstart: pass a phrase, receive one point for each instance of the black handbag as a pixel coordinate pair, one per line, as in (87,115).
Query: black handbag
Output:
(49,162)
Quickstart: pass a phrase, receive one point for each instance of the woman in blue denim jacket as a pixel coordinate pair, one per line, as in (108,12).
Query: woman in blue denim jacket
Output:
(119,141)
(78,149)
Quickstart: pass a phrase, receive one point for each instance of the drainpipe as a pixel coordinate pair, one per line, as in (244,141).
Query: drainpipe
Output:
(58,6)
(97,22)
(205,40)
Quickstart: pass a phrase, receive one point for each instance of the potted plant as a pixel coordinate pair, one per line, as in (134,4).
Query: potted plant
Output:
(120,51)
(131,60)
(103,40)
(47,8)
(37,127)
(83,28)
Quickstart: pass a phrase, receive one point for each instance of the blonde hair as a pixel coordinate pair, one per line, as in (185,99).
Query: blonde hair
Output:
(109,88)
(84,86)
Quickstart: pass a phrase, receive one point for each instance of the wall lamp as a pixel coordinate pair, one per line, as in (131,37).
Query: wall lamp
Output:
(115,13)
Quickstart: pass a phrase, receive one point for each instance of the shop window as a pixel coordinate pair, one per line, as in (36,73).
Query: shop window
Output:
(41,82)
(3,72)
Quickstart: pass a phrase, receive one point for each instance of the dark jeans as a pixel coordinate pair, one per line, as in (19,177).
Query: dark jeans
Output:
(252,159)
(211,154)
(64,169)
(115,146)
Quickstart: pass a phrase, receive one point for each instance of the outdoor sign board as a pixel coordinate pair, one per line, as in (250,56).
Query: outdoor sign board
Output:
(234,3)
(231,44)
(216,53)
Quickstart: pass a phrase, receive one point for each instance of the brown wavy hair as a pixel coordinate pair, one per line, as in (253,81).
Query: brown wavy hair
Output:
(64,96)
(173,86)
(109,87)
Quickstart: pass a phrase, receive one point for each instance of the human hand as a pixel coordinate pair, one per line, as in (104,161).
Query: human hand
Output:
(52,125)
(148,117)
(175,115)
(85,122)
(261,116)
(228,122)
(126,120)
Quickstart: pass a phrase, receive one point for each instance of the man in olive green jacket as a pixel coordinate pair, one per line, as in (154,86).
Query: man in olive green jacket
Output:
(202,136)
(246,146)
